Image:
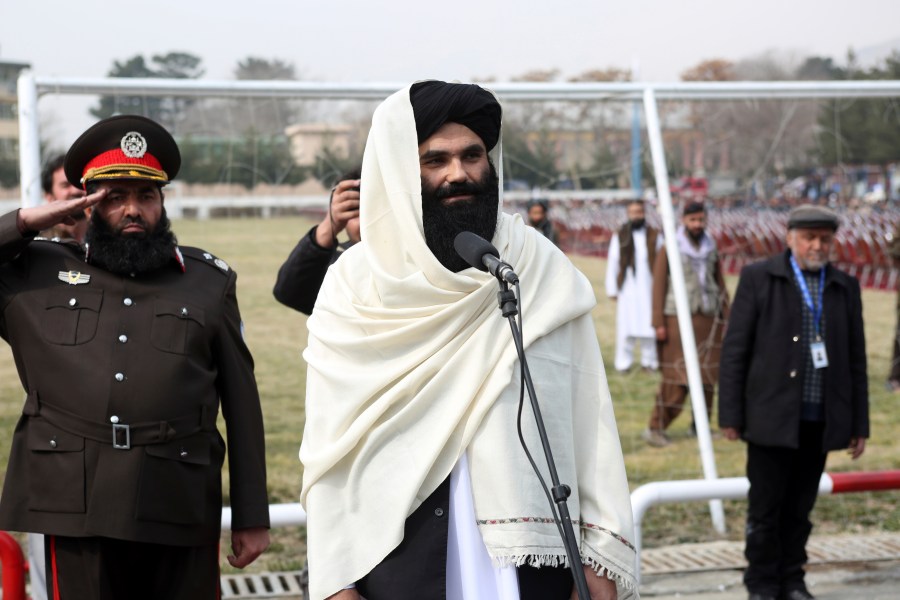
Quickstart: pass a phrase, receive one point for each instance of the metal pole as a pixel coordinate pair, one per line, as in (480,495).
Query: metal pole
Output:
(29,140)
(685,325)
(636,135)
(636,149)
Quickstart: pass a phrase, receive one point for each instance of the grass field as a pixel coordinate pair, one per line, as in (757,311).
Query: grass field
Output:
(277,335)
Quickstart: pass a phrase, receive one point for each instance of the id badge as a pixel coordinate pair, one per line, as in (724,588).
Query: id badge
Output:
(819,355)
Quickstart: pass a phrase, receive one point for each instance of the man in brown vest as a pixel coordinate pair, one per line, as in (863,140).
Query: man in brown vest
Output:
(629,280)
(708,299)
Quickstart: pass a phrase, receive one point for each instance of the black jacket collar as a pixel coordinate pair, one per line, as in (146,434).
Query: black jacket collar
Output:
(780,266)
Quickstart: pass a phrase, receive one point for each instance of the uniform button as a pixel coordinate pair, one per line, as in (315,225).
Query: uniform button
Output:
(123,338)
(73,302)
(127,301)
(184,312)
(439,512)
(120,377)
(796,338)
(183,453)
(53,443)
(114,419)
(793,373)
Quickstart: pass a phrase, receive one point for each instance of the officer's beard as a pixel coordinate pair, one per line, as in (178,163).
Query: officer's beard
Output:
(443,222)
(124,254)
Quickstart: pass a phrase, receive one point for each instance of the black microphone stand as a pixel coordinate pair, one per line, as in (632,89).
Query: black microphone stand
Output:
(508,307)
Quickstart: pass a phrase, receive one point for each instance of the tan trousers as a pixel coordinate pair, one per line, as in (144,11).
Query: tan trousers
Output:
(669,402)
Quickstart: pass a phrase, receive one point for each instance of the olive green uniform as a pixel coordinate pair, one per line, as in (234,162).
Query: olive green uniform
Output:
(124,379)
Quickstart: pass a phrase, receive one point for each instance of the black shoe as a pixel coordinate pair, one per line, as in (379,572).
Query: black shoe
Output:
(762,597)
(797,594)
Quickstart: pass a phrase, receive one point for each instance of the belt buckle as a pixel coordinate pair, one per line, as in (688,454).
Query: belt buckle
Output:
(116,429)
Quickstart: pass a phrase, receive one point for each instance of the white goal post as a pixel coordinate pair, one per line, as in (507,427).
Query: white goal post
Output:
(32,87)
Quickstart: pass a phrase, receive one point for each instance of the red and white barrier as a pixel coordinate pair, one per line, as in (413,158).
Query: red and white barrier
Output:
(732,488)
(12,562)
(658,492)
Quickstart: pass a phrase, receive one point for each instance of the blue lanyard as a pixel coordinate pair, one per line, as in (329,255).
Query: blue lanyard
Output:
(807,297)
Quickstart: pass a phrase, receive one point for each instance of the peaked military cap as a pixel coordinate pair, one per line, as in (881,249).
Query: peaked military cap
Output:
(123,147)
(809,216)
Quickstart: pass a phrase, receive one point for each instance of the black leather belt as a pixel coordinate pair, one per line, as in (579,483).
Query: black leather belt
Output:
(124,436)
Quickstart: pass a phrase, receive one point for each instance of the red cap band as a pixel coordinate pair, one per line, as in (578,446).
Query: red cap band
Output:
(111,161)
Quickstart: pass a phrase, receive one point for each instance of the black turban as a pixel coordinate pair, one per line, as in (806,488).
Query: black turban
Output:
(693,207)
(436,102)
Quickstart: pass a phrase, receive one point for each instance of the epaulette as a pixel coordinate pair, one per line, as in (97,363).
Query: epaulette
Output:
(205,257)
(56,240)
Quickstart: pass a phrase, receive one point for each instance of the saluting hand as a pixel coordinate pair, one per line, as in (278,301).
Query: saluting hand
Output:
(38,218)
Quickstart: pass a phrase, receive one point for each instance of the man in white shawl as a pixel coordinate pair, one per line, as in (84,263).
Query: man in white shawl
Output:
(415,483)
(629,282)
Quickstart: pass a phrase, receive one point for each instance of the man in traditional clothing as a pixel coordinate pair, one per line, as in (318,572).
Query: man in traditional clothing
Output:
(414,479)
(893,380)
(540,220)
(629,282)
(708,300)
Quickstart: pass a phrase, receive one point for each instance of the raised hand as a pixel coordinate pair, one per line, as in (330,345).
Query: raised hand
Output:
(37,218)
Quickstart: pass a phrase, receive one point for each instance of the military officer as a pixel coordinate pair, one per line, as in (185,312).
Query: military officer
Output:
(126,351)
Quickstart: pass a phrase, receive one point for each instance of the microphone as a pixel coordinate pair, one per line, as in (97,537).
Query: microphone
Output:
(481,254)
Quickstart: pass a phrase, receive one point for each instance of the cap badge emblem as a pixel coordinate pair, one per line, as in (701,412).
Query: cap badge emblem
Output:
(74,277)
(133,145)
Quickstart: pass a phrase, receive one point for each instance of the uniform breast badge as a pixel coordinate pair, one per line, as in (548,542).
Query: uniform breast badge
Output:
(74,277)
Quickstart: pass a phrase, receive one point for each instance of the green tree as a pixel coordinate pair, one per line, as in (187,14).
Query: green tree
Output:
(268,116)
(861,131)
(332,165)
(167,111)
(248,160)
(529,156)
(257,68)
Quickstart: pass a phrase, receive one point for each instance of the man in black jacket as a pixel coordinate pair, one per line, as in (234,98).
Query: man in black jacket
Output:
(793,385)
(301,275)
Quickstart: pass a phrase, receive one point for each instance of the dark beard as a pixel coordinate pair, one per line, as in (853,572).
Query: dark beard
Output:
(696,237)
(442,223)
(127,254)
(637,224)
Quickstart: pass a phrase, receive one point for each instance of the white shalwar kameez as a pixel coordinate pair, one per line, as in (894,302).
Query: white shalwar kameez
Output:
(633,310)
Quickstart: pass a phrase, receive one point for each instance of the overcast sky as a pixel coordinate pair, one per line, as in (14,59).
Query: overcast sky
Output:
(402,40)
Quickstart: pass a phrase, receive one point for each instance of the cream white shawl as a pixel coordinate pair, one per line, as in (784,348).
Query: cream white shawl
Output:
(406,363)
